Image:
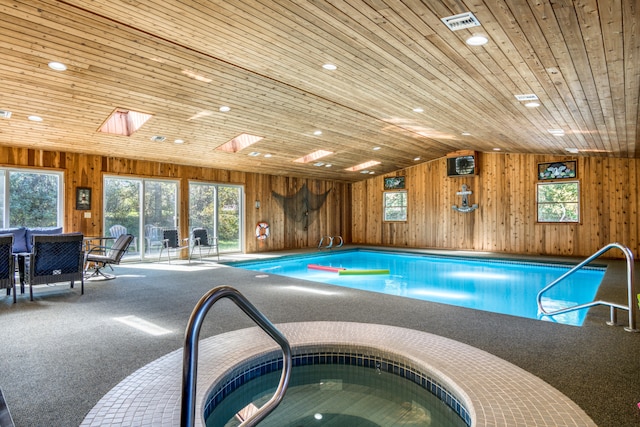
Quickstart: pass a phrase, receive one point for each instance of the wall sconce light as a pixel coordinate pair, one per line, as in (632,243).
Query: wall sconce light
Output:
(257,204)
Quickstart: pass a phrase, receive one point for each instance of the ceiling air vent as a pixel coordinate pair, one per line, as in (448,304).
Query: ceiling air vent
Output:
(461,21)
(158,138)
(5,114)
(526,97)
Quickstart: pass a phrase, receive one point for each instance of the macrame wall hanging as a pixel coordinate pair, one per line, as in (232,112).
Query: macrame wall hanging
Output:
(302,206)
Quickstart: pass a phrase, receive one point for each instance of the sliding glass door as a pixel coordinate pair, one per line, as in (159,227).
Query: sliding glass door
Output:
(142,207)
(218,208)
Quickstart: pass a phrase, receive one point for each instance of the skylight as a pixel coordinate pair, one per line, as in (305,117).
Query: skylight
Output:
(239,142)
(313,156)
(124,122)
(361,166)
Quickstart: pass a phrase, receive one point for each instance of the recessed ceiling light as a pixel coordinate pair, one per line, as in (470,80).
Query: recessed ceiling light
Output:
(328,165)
(330,67)
(572,150)
(179,141)
(466,133)
(532,104)
(415,159)
(58,66)
(477,40)
(418,110)
(317,132)
(372,173)
(365,171)
(268,155)
(556,132)
(497,149)
(376,148)
(35,118)
(224,109)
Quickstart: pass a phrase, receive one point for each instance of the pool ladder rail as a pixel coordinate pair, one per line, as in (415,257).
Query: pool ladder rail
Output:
(331,240)
(190,354)
(632,307)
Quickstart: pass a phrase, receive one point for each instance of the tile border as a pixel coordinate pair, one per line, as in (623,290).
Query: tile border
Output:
(494,391)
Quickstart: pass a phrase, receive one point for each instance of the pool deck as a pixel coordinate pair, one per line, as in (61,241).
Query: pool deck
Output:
(78,365)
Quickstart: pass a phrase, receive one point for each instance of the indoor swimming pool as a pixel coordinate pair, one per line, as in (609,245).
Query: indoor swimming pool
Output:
(500,286)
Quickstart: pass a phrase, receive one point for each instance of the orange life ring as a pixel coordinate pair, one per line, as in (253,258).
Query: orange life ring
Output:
(262,230)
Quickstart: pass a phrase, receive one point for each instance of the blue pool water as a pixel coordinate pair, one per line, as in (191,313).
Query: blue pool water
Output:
(508,287)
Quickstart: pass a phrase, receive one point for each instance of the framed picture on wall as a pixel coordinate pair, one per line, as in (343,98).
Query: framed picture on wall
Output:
(83,198)
(557,170)
(394,183)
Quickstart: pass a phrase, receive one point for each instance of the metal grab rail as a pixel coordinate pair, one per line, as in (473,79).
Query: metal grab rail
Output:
(190,355)
(632,307)
(330,245)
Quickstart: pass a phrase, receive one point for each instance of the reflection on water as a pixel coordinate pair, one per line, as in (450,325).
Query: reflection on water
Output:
(507,287)
(337,395)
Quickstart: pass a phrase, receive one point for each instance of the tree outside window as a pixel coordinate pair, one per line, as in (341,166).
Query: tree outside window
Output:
(395,205)
(34,199)
(558,201)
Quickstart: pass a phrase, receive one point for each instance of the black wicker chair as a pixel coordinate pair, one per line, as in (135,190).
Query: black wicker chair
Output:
(201,240)
(55,258)
(7,268)
(102,256)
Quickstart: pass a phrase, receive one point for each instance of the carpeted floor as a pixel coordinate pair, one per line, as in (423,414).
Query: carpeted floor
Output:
(62,352)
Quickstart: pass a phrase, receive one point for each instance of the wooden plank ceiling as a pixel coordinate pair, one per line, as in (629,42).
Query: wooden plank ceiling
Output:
(181,60)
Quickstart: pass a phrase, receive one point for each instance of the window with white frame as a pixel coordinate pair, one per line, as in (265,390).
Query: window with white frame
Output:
(142,207)
(395,205)
(218,208)
(558,201)
(31,198)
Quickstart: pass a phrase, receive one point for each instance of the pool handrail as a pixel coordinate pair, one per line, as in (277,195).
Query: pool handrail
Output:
(190,354)
(632,307)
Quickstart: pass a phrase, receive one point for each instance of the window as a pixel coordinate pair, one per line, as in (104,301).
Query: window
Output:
(31,198)
(395,205)
(558,201)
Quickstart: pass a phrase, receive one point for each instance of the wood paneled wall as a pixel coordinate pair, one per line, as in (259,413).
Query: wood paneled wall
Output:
(506,218)
(504,191)
(81,170)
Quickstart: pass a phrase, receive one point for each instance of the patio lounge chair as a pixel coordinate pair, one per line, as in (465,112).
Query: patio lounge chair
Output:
(201,240)
(171,242)
(118,230)
(102,256)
